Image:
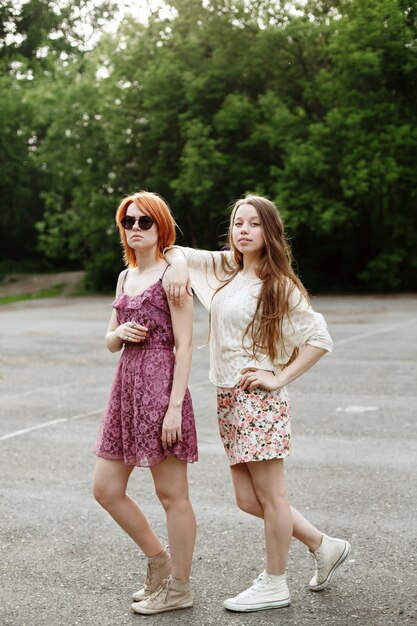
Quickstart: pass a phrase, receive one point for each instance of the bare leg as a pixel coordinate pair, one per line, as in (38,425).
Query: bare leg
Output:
(304,531)
(171,485)
(248,501)
(109,489)
(268,481)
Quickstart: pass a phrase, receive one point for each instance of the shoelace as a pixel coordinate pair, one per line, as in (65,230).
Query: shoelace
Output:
(148,583)
(161,589)
(318,559)
(259,584)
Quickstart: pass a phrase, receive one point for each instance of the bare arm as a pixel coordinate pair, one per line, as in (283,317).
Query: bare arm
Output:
(117,334)
(178,278)
(182,325)
(261,378)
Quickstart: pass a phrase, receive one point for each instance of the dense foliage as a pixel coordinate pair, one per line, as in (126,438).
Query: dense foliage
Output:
(312,105)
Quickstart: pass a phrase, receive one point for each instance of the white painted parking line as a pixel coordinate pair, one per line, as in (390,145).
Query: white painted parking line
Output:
(41,389)
(371,333)
(24,431)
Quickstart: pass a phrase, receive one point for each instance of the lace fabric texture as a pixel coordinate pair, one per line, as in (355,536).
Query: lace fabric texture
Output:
(132,422)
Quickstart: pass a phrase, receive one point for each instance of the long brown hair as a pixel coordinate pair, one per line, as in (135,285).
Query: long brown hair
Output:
(278,278)
(153,205)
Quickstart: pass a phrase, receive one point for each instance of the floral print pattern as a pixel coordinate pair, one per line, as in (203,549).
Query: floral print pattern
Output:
(132,423)
(254,425)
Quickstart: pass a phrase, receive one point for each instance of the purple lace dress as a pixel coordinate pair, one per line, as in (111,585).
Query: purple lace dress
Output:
(132,423)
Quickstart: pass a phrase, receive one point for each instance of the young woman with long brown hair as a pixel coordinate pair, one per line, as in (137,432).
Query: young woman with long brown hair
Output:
(263,335)
(149,420)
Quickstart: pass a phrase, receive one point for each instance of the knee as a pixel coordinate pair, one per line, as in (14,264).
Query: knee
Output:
(172,498)
(247,504)
(275,500)
(105,495)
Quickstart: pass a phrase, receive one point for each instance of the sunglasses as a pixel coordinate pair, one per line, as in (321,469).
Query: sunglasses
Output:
(144,222)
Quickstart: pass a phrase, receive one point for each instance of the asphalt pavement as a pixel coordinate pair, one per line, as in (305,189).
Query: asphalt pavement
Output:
(353,473)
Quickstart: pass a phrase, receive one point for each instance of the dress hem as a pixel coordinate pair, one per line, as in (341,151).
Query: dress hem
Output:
(276,456)
(134,463)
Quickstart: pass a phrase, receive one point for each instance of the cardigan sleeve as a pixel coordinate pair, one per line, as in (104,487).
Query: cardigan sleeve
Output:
(206,270)
(304,325)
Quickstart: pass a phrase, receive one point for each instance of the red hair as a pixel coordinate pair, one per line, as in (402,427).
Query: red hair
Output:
(153,205)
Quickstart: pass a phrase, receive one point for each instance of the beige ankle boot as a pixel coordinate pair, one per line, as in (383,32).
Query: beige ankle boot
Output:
(173,594)
(159,568)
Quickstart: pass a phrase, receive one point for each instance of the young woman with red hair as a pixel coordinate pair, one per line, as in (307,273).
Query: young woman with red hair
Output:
(149,420)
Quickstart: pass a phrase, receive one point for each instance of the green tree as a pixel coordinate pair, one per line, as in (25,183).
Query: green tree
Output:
(347,179)
(20,183)
(40,43)
(311,105)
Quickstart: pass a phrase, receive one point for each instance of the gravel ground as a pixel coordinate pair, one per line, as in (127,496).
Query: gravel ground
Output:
(353,473)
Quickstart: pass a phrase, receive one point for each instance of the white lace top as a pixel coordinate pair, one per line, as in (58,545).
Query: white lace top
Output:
(232,309)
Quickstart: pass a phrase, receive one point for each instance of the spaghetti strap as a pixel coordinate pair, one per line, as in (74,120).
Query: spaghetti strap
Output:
(124,280)
(164,273)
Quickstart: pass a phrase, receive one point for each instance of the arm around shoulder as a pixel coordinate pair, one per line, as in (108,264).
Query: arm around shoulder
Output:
(196,259)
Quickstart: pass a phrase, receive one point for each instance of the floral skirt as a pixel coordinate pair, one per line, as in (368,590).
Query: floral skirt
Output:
(254,425)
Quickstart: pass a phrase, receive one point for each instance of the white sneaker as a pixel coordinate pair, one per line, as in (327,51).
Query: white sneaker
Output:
(265,593)
(328,557)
